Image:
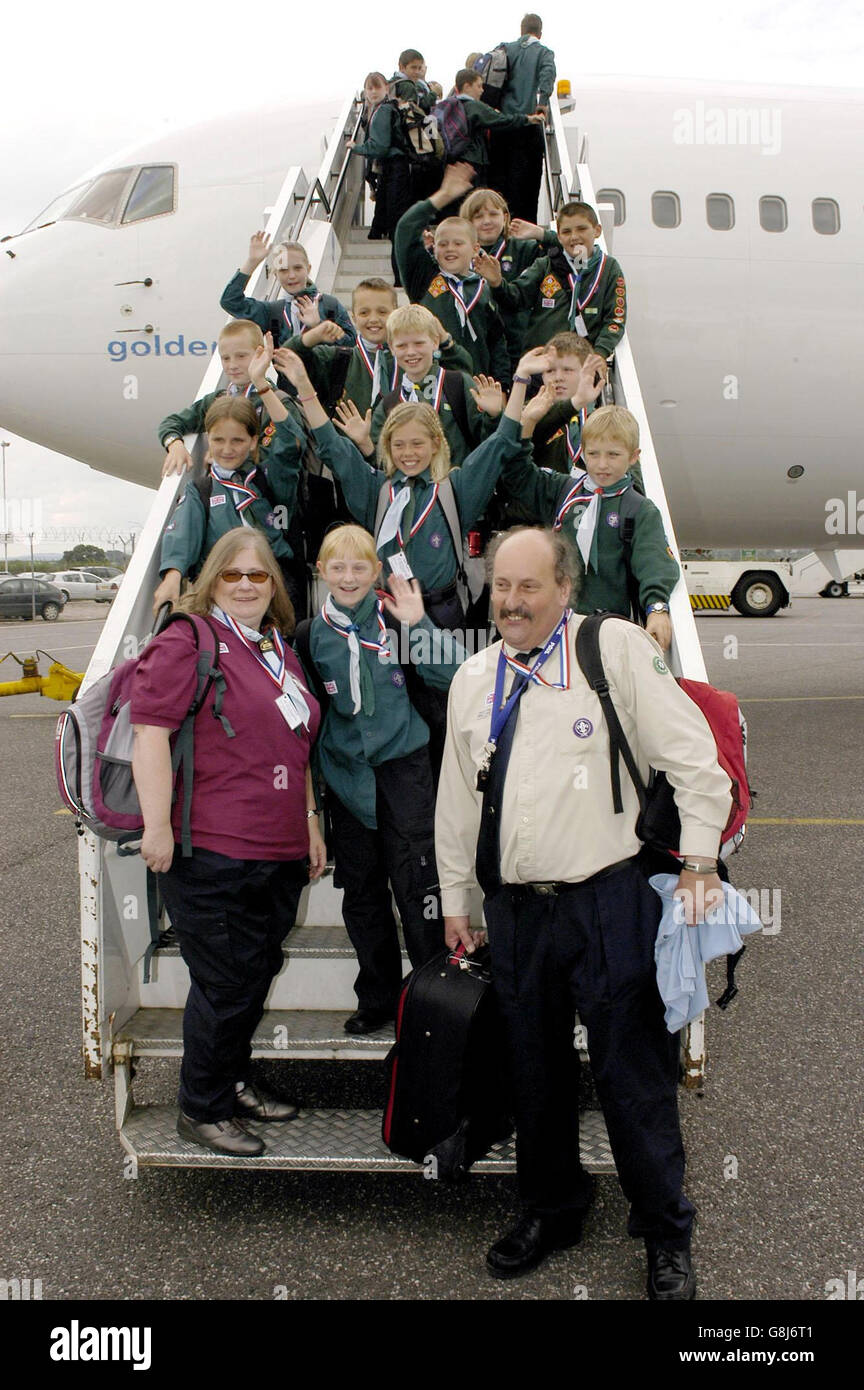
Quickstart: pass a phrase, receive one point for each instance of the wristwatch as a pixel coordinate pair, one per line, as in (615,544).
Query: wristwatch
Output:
(657,608)
(169,440)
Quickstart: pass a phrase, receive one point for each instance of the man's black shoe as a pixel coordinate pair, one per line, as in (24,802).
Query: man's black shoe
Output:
(368,1021)
(254,1103)
(670,1275)
(222,1136)
(528,1244)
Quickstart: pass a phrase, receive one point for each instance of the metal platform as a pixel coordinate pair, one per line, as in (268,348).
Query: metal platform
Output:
(282,1033)
(334,1140)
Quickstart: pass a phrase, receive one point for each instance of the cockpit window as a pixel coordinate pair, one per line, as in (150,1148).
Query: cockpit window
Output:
(152,194)
(101,200)
(58,208)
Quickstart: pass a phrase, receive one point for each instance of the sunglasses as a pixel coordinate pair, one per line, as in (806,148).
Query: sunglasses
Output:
(234,576)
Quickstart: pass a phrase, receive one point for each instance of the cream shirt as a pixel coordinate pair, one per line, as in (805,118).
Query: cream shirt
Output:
(557,823)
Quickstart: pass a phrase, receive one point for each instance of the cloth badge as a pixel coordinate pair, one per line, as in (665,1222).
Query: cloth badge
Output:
(436,540)
(170,526)
(331,687)
(547,303)
(223,648)
(660,666)
(590,310)
(398,678)
(550,286)
(490,698)
(612,519)
(438,286)
(583,728)
(218,499)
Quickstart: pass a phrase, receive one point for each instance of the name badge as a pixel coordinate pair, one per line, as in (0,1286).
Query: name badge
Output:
(579,326)
(400,566)
(218,499)
(548,303)
(288,712)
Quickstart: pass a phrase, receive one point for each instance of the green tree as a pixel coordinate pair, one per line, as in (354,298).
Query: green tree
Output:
(82,555)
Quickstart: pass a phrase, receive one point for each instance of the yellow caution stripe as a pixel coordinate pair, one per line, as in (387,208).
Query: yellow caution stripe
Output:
(710,600)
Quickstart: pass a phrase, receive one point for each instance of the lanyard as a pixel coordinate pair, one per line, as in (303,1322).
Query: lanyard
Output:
(497,253)
(574,284)
(525,675)
(438,392)
(421,518)
(575,454)
(577,493)
(243,496)
(278,646)
(382,645)
(296,325)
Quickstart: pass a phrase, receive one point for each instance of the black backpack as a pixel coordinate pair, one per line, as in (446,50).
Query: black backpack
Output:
(495,70)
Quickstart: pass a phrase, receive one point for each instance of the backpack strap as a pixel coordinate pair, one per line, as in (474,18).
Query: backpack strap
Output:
(591,665)
(303,648)
(628,510)
(454,395)
(381,509)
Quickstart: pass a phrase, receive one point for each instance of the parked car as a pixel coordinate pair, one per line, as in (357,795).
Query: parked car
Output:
(83,584)
(105,571)
(16,599)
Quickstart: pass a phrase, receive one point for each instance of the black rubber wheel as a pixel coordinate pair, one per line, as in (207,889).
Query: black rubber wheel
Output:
(758,595)
(836,589)
(51,612)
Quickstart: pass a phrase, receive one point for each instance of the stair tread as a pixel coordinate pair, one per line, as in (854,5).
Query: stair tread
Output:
(281,1032)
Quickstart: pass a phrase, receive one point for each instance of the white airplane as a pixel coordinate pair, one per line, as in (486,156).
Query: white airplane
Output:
(738,225)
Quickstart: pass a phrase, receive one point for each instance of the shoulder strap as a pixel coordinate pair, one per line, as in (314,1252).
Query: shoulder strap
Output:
(450,508)
(591,665)
(204,487)
(454,395)
(337,377)
(303,648)
(381,509)
(391,400)
(628,510)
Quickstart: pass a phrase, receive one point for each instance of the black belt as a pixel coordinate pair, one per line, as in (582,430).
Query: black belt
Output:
(439,595)
(553,890)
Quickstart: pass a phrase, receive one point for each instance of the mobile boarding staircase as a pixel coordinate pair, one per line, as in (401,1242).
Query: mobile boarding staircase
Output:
(132,1004)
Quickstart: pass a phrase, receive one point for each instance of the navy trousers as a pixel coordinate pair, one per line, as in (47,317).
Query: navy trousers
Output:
(591,949)
(231,917)
(400,852)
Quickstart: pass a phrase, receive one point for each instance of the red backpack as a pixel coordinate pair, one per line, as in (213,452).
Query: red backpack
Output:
(658,824)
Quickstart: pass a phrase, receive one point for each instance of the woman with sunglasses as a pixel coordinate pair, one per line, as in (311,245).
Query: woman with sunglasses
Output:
(254,824)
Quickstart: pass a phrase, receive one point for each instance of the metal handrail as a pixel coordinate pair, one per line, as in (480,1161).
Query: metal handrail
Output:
(348,128)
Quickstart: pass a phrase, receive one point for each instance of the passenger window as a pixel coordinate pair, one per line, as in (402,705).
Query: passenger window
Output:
(720,211)
(665,209)
(101,200)
(826,216)
(152,195)
(772,214)
(616,198)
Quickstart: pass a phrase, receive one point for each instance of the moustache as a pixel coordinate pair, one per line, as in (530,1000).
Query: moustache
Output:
(515,613)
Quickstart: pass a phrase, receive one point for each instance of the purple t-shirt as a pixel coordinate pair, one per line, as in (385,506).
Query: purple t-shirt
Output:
(249,792)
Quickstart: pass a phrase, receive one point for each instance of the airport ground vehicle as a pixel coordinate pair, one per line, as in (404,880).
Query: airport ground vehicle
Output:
(16,599)
(133,995)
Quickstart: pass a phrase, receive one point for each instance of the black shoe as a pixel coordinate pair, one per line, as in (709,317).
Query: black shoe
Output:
(368,1021)
(254,1103)
(528,1244)
(670,1275)
(222,1136)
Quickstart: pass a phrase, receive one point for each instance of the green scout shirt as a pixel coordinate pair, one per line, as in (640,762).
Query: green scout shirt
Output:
(480,425)
(191,420)
(544,290)
(192,531)
(268,313)
(515,255)
(324,360)
(652,563)
(531,75)
(426,285)
(350,746)
(381,142)
(480,118)
(430,551)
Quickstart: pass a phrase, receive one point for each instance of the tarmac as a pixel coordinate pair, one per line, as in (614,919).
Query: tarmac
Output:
(773,1140)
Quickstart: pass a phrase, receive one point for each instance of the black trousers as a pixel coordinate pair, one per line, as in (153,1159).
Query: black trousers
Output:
(400,852)
(591,949)
(516,168)
(231,917)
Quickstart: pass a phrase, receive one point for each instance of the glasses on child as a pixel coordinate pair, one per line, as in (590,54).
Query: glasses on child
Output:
(234,576)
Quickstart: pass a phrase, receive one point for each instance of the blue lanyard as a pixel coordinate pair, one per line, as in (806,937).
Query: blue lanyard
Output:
(500,714)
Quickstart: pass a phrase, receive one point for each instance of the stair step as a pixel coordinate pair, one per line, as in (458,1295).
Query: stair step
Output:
(282,1033)
(339,1140)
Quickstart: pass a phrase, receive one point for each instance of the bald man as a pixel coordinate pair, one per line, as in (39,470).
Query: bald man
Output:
(525,810)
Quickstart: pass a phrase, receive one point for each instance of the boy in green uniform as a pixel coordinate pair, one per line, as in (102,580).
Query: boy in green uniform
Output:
(451,289)
(553,419)
(467,407)
(477,118)
(409,83)
(373,756)
(575,286)
(237,491)
(302,307)
(618,532)
(489,215)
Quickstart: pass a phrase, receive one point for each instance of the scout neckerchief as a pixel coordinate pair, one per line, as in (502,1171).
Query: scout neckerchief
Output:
(362,686)
(431,387)
(392,524)
(269,651)
(573,454)
(242,494)
(587,530)
(577,301)
(456,286)
(375,366)
(290,312)
(234,390)
(525,675)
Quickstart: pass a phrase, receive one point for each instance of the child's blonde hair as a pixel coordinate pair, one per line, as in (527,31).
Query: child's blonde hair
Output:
(288,246)
(350,540)
(242,328)
(235,408)
(426,417)
(570,345)
(449,222)
(413,318)
(481,198)
(612,422)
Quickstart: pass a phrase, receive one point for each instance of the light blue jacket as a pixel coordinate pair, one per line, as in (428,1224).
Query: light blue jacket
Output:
(680,951)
